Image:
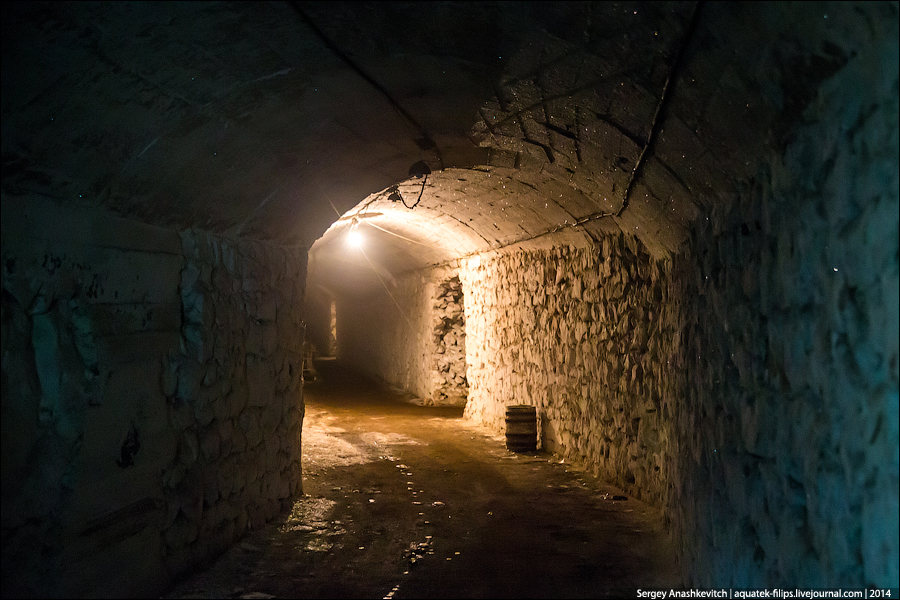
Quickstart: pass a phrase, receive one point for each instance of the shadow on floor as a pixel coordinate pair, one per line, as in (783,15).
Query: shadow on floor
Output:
(408,501)
(338,384)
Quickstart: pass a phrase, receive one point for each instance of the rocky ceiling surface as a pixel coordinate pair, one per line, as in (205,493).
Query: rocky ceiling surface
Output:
(498,123)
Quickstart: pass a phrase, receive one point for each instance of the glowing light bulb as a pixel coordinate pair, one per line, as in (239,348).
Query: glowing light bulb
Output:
(354,238)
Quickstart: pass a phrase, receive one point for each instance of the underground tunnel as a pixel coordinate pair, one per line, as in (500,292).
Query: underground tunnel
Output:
(670,227)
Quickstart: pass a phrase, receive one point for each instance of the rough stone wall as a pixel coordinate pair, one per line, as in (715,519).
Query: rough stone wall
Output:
(578,333)
(151,398)
(788,356)
(235,390)
(750,386)
(450,384)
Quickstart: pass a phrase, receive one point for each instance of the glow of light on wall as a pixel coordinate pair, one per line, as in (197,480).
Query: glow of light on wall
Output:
(354,237)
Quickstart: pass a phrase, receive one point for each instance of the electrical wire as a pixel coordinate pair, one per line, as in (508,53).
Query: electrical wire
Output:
(397,235)
(370,80)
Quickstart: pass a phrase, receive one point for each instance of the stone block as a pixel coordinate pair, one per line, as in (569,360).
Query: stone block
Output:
(260,380)
(145,346)
(190,379)
(237,398)
(249,422)
(210,443)
(225,480)
(128,277)
(210,497)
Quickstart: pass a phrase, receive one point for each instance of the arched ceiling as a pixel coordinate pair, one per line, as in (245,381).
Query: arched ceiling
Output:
(451,214)
(275,120)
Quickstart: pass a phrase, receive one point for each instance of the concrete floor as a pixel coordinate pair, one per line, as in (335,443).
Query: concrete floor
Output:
(406,501)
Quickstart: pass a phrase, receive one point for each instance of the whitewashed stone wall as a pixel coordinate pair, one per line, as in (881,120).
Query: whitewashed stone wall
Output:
(578,334)
(151,397)
(750,387)
(451,387)
(235,391)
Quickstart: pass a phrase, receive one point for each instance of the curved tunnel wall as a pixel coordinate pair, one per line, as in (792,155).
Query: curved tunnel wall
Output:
(748,384)
(744,230)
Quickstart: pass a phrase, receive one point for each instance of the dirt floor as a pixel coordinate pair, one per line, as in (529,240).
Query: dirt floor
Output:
(406,501)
